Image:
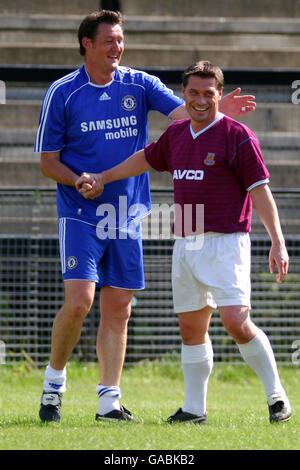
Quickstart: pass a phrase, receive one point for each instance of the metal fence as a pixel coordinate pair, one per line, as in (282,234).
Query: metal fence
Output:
(31,287)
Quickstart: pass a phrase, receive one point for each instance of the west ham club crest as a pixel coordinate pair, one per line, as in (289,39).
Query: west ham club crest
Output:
(210,159)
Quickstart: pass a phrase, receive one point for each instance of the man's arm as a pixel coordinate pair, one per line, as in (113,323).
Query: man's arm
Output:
(91,185)
(53,168)
(266,208)
(231,104)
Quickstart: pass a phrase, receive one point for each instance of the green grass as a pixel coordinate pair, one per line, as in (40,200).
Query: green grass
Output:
(237,410)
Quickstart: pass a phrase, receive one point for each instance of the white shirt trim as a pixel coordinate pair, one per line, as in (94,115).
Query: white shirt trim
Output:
(96,84)
(196,134)
(258,183)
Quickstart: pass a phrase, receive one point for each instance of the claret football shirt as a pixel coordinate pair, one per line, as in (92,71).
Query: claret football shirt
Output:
(216,167)
(95,128)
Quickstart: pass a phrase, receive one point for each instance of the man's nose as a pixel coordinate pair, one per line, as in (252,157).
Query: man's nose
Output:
(201,99)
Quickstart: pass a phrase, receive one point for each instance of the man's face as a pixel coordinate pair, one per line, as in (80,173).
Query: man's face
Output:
(106,50)
(201,100)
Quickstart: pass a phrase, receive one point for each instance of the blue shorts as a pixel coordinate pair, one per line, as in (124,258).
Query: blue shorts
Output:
(113,261)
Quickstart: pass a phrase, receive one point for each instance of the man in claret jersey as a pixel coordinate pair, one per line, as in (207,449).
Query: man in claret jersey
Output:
(216,162)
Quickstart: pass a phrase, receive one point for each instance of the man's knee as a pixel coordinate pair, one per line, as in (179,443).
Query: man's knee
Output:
(194,325)
(115,304)
(79,300)
(79,310)
(188,333)
(237,322)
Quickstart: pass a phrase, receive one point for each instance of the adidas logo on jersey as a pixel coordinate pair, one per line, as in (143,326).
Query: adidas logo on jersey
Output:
(104,97)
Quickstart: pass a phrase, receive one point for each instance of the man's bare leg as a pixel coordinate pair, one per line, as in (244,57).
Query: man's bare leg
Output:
(79,296)
(67,326)
(115,307)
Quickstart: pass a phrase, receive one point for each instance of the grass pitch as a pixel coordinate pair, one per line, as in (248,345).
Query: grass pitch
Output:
(237,411)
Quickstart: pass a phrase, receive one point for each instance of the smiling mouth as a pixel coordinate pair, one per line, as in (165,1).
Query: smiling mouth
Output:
(113,57)
(200,108)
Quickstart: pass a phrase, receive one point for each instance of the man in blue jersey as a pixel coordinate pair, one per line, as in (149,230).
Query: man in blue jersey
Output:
(91,120)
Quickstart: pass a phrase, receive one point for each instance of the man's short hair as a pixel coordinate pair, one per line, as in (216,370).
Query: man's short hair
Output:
(89,26)
(204,69)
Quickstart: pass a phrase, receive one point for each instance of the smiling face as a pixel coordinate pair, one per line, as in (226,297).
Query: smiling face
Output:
(104,52)
(201,100)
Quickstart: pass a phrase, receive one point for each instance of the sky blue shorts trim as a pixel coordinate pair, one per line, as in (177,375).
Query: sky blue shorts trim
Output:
(114,261)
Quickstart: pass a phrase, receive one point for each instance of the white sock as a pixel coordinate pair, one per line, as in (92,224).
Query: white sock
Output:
(197,364)
(258,354)
(55,380)
(108,398)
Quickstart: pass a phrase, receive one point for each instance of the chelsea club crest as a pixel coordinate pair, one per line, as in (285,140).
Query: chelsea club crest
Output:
(72,262)
(128,103)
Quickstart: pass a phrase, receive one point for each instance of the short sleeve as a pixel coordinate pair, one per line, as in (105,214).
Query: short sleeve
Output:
(248,162)
(160,97)
(157,153)
(52,125)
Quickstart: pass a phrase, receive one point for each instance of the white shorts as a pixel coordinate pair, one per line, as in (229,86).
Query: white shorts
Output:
(215,274)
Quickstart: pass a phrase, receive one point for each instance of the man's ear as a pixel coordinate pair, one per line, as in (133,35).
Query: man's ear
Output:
(86,42)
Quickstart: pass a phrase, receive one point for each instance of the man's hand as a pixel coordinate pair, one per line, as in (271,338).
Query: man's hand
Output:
(90,185)
(234,105)
(279,257)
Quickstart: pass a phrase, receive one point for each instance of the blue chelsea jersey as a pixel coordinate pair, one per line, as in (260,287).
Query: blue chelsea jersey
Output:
(95,128)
